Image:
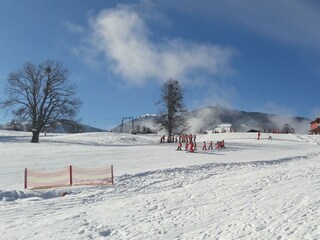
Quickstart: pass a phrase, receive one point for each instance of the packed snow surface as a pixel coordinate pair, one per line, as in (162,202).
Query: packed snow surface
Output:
(252,189)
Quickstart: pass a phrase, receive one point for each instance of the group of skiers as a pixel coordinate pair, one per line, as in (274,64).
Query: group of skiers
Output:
(190,142)
(181,138)
(218,145)
(189,146)
(192,145)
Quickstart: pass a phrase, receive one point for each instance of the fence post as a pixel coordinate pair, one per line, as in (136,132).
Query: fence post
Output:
(112,174)
(70,173)
(25,178)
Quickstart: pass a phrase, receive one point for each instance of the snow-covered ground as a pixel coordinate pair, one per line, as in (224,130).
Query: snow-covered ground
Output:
(266,189)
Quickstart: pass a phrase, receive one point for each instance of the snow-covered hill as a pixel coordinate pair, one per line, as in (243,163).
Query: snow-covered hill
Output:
(209,118)
(252,189)
(62,126)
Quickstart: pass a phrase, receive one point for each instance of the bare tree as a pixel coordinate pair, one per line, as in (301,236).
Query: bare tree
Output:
(42,95)
(171,117)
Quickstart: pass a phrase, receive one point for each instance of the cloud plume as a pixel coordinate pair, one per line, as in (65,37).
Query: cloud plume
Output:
(122,37)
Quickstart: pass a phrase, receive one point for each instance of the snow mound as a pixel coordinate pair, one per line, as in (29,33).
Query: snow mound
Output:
(9,196)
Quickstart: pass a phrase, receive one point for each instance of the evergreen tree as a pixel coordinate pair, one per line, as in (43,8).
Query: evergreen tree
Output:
(172,112)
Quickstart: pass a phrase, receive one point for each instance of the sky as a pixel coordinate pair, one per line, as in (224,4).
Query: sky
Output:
(246,55)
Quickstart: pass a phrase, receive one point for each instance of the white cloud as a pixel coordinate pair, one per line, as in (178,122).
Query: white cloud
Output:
(123,38)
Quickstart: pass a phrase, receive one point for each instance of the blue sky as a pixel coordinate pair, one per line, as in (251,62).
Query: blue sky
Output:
(247,55)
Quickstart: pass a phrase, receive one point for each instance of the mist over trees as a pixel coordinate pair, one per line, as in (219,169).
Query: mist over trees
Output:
(171,116)
(41,94)
(287,129)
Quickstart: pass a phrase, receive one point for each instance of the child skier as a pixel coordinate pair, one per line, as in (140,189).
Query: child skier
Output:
(210,146)
(191,147)
(222,144)
(187,146)
(204,147)
(179,146)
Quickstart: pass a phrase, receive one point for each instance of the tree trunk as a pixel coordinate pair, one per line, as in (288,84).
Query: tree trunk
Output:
(35,136)
(169,135)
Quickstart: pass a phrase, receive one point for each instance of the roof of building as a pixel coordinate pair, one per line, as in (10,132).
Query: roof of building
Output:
(316,120)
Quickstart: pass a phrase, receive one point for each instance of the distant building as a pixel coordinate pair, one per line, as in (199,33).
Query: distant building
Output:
(315,126)
(222,128)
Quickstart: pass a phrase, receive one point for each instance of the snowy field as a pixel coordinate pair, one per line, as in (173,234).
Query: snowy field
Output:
(266,189)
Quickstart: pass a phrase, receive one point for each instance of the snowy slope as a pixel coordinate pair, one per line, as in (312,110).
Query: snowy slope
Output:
(267,189)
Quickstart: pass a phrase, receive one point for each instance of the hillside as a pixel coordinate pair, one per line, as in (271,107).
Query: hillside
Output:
(62,126)
(266,189)
(209,117)
(144,123)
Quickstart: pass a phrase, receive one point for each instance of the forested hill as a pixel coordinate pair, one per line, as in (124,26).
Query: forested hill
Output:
(209,117)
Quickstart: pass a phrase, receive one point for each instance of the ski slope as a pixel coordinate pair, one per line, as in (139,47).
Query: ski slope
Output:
(266,189)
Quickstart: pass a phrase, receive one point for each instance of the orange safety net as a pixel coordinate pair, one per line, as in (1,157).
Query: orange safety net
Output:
(47,179)
(92,176)
(69,176)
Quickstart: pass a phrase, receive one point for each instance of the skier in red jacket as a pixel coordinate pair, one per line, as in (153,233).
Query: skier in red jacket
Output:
(179,146)
(204,147)
(191,147)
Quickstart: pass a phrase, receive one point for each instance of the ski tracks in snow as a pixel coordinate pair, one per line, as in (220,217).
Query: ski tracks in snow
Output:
(256,200)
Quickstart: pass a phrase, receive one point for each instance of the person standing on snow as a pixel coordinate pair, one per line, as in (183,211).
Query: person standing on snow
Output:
(179,146)
(204,147)
(210,146)
(259,134)
(191,147)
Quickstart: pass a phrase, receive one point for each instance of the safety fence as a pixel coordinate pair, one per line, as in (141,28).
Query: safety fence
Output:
(70,176)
